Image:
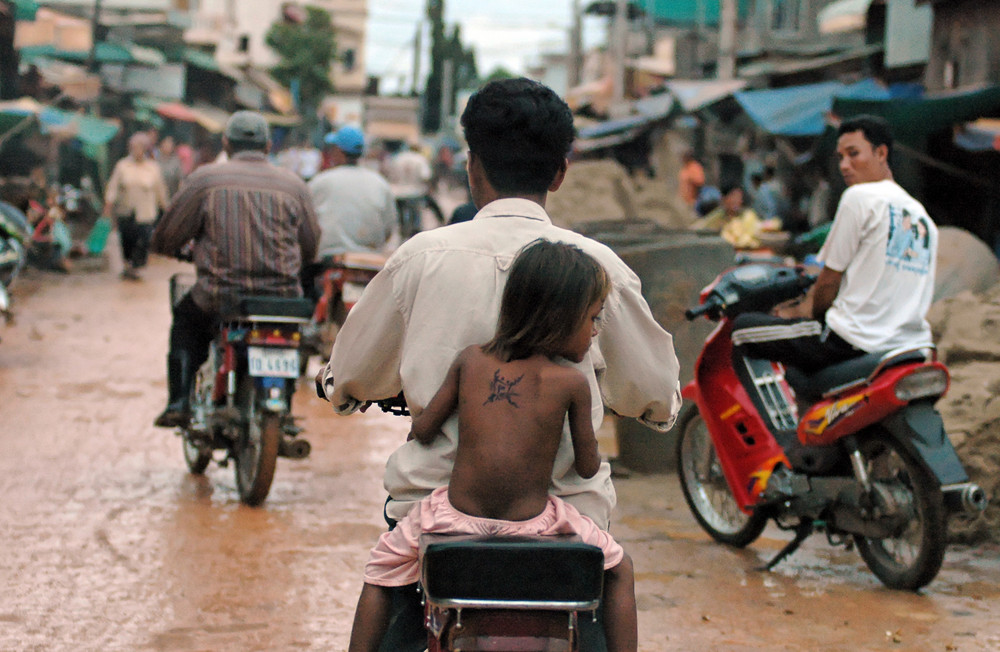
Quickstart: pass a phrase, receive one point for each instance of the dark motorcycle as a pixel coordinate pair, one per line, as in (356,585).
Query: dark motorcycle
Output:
(241,396)
(868,461)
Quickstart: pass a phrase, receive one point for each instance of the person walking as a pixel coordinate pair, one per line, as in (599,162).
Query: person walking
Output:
(134,197)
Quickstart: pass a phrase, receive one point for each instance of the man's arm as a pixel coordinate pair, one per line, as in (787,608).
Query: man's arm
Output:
(181,222)
(824,291)
(641,377)
(364,365)
(428,424)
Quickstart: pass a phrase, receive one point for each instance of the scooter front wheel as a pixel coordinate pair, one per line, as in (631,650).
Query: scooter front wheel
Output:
(913,557)
(257,447)
(705,488)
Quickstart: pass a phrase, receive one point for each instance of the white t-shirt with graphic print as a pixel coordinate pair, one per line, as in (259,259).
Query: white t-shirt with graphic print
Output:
(886,245)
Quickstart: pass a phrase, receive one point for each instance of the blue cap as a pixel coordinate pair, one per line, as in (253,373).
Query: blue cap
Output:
(348,139)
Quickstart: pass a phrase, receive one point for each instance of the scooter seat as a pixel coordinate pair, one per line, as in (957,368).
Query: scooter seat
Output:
(295,307)
(856,371)
(527,572)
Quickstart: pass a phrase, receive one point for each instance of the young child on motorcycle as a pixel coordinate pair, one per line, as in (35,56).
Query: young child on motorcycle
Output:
(512,396)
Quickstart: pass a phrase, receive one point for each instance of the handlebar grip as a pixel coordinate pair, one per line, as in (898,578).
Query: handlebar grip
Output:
(693,313)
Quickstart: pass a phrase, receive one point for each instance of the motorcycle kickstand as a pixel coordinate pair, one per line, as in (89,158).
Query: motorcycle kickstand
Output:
(802,532)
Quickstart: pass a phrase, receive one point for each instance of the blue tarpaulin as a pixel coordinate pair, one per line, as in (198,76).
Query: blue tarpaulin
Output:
(801,110)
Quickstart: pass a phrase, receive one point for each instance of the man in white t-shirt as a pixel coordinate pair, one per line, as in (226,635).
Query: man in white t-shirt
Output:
(877,282)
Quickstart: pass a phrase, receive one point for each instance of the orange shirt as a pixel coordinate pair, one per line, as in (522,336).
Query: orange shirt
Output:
(692,178)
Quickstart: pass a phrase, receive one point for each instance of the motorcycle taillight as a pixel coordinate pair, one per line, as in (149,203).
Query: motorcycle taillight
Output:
(924,383)
(266,335)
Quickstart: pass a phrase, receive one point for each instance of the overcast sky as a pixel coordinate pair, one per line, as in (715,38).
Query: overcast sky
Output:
(508,33)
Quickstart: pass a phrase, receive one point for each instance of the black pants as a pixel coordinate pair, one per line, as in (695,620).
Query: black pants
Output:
(135,240)
(192,331)
(802,343)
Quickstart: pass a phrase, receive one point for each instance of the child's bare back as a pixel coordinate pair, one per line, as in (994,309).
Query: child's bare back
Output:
(511,417)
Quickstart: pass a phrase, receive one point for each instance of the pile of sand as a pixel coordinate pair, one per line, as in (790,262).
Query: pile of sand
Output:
(601,190)
(967,331)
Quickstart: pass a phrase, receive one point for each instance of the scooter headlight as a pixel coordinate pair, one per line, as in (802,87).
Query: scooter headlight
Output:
(922,384)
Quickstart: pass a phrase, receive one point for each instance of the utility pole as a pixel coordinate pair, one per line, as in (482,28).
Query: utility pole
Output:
(95,29)
(619,38)
(575,47)
(447,74)
(726,66)
(417,49)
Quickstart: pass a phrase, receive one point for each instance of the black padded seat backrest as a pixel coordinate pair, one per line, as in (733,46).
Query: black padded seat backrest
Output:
(296,307)
(529,569)
(819,383)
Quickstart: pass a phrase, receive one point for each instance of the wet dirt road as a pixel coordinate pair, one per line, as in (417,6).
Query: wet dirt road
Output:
(107,543)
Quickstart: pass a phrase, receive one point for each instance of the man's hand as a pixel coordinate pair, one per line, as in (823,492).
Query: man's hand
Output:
(320,378)
(801,308)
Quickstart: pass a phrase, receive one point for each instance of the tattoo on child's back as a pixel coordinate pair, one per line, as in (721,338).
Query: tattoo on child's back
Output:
(502,389)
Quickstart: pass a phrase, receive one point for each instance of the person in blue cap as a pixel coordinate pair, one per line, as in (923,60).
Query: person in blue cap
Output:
(356,207)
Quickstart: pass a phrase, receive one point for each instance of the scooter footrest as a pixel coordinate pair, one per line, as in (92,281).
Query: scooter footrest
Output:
(559,573)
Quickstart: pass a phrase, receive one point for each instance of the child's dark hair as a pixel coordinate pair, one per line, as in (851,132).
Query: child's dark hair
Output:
(550,287)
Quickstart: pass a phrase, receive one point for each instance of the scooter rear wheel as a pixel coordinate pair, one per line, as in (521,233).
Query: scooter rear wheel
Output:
(257,448)
(913,558)
(705,488)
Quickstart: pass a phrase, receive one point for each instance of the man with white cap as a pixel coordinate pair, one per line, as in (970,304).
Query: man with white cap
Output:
(253,226)
(356,208)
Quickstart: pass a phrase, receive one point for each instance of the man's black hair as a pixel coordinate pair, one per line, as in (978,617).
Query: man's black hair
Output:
(521,132)
(874,128)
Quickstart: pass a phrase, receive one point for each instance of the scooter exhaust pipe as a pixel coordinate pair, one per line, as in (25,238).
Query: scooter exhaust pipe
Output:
(295,449)
(966,497)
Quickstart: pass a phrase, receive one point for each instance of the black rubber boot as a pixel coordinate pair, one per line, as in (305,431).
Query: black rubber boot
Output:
(179,376)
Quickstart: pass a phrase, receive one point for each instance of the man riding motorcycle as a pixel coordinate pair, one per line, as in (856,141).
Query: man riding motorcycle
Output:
(440,292)
(253,226)
(877,282)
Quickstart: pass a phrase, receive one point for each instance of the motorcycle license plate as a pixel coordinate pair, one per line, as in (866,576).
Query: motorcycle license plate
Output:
(352,292)
(273,363)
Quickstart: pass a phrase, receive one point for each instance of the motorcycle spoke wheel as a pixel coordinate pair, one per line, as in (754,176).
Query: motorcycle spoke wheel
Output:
(913,557)
(257,447)
(197,454)
(706,491)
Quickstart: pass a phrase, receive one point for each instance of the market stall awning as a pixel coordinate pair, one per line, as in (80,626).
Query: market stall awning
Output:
(695,94)
(801,110)
(24,9)
(103,53)
(88,129)
(211,118)
(914,118)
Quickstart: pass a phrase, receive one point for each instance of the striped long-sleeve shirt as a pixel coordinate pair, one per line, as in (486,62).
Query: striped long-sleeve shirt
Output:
(253,226)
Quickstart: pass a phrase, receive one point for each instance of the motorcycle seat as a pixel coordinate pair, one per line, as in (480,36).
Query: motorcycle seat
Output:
(294,307)
(542,572)
(856,371)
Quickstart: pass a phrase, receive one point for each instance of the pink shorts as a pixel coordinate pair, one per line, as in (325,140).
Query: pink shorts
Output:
(394,562)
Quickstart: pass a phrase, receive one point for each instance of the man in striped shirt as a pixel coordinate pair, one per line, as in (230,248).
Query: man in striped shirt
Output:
(252,225)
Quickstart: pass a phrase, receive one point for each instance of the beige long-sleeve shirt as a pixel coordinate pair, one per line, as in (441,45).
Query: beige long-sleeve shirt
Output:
(440,292)
(136,187)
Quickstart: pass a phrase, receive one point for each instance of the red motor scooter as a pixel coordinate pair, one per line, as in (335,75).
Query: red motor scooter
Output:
(868,461)
(343,280)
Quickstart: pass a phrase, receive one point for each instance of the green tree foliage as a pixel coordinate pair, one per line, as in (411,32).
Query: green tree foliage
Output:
(498,73)
(306,50)
(445,47)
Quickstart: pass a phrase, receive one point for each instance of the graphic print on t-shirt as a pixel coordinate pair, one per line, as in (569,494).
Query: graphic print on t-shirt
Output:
(908,247)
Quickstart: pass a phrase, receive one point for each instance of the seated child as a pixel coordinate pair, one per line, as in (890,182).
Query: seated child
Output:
(512,397)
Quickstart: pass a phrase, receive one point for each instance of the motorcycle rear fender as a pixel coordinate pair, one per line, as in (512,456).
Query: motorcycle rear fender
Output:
(920,429)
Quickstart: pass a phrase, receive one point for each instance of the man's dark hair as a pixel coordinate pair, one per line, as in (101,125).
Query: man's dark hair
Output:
(874,128)
(521,132)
